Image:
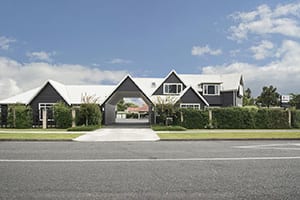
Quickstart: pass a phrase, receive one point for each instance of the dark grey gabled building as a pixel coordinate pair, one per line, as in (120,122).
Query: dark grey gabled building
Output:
(195,91)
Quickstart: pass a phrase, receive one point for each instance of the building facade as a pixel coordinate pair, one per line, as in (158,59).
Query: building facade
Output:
(195,91)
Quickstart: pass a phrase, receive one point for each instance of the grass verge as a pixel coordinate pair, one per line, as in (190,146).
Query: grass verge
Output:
(32,129)
(167,128)
(225,135)
(38,136)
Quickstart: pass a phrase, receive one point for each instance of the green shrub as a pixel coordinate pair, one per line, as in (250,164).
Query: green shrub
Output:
(84,128)
(192,119)
(89,114)
(234,117)
(271,118)
(19,116)
(168,128)
(62,115)
(296,118)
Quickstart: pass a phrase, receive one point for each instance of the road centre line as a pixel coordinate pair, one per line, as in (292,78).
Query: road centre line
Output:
(153,159)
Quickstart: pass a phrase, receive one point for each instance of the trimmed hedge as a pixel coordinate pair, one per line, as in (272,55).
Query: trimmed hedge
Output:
(192,119)
(237,118)
(84,128)
(296,118)
(88,114)
(233,117)
(168,128)
(245,118)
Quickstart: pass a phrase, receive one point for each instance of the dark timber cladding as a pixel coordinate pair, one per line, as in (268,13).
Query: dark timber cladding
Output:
(127,88)
(46,95)
(191,97)
(172,78)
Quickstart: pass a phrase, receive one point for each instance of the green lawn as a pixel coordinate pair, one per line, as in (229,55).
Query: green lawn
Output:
(33,129)
(228,135)
(38,136)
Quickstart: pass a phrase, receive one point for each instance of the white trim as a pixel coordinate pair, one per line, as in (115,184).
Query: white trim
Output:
(39,110)
(217,89)
(191,104)
(177,90)
(197,93)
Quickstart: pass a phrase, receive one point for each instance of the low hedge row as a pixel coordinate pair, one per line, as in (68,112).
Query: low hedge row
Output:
(237,118)
(84,128)
(167,128)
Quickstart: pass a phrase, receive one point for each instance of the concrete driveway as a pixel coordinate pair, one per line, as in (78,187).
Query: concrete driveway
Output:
(119,134)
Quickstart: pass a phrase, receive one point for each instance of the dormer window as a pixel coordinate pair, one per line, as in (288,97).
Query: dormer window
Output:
(172,88)
(211,89)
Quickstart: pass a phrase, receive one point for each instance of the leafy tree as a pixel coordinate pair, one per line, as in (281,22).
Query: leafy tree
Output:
(62,115)
(122,106)
(268,97)
(247,99)
(295,101)
(165,107)
(89,112)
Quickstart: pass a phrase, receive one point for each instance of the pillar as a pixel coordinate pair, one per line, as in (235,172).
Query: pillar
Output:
(44,113)
(73,117)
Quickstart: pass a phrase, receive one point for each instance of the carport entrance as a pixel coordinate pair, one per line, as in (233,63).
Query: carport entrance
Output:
(126,89)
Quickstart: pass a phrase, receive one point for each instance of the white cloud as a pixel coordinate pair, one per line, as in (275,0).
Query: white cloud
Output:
(199,51)
(5,42)
(284,73)
(119,61)
(41,55)
(282,20)
(17,77)
(263,50)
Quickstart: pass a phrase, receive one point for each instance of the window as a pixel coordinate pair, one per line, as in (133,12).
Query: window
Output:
(190,105)
(49,108)
(211,89)
(172,88)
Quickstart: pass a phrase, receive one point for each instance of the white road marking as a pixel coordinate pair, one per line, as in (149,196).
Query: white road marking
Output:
(286,146)
(157,160)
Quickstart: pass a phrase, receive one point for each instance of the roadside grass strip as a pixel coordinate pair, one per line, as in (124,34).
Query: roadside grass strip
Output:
(38,136)
(229,135)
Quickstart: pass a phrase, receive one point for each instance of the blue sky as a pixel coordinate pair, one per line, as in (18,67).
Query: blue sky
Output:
(93,42)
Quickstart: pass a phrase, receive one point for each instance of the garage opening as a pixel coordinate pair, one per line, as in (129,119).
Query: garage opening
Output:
(128,105)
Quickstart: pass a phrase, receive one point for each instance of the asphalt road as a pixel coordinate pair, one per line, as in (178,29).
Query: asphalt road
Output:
(150,170)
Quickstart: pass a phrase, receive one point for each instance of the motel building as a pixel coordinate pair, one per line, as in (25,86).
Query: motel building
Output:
(196,91)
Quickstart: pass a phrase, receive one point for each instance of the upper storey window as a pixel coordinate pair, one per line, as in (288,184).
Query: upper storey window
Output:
(172,88)
(211,89)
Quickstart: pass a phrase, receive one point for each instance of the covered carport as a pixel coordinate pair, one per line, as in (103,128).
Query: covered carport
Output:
(127,88)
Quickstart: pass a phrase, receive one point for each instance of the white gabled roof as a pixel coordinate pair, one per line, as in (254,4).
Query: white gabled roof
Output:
(227,81)
(72,94)
(22,98)
(148,85)
(76,92)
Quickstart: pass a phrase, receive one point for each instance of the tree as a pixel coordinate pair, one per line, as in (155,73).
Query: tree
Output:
(247,99)
(122,106)
(295,101)
(165,108)
(268,97)
(89,111)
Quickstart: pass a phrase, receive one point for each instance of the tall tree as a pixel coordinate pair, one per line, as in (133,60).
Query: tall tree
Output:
(295,101)
(268,97)
(247,99)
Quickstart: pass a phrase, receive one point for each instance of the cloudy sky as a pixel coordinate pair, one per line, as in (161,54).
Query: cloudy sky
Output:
(98,42)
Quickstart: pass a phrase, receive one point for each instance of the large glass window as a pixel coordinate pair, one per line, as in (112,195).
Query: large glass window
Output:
(190,105)
(172,88)
(210,89)
(49,108)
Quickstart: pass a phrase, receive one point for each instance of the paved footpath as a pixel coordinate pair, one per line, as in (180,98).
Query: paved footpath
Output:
(119,134)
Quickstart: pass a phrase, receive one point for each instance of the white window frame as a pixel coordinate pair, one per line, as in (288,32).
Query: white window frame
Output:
(177,88)
(217,89)
(45,106)
(195,106)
